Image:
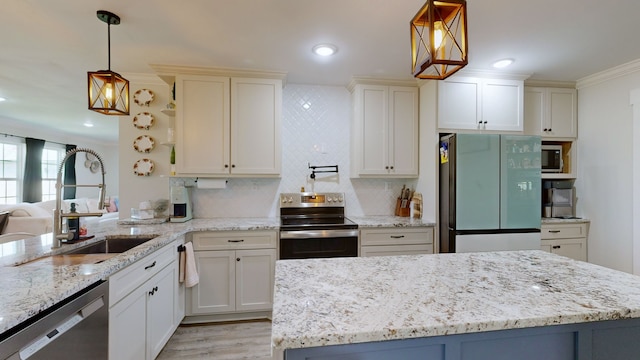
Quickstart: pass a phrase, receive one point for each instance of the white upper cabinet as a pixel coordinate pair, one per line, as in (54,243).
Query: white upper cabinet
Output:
(228,126)
(385,131)
(551,112)
(472,103)
(202,124)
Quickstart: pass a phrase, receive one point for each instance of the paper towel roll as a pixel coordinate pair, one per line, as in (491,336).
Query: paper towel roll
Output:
(211,183)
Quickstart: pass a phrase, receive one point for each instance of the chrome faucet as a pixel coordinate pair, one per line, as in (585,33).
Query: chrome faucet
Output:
(58,214)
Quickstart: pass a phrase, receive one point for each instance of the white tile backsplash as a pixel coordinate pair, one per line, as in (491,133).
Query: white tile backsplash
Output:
(316,131)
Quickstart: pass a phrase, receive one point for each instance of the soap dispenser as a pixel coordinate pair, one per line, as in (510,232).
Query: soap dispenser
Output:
(73,222)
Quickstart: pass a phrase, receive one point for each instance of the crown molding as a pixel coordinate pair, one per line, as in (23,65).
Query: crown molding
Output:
(168,72)
(490,74)
(369,80)
(141,78)
(550,83)
(609,74)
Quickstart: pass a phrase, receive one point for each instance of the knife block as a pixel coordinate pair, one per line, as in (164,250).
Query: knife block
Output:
(402,211)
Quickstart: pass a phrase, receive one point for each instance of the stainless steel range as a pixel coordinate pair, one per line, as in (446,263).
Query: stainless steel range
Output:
(313,225)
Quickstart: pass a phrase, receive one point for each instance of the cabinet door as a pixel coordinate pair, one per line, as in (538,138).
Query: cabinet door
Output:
(202,124)
(502,107)
(572,248)
(216,290)
(255,126)
(127,327)
(255,272)
(535,117)
(373,110)
(458,106)
(160,309)
(403,130)
(563,118)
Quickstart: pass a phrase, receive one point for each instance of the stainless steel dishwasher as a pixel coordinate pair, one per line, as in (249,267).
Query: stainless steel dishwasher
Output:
(76,328)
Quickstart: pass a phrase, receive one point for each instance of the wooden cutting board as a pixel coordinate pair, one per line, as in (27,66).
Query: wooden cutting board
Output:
(71,259)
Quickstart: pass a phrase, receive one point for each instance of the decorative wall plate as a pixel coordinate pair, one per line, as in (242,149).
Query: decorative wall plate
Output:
(143,167)
(144,144)
(91,163)
(143,97)
(144,120)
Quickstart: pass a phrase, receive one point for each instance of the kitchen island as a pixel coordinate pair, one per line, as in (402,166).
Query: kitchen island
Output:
(494,305)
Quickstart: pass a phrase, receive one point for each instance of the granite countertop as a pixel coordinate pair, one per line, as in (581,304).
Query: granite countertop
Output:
(389,221)
(553,221)
(32,287)
(352,300)
(28,287)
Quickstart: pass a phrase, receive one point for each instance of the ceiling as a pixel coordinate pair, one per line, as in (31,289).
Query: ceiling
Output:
(48,46)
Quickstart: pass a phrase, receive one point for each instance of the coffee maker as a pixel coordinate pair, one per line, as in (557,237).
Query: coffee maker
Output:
(180,203)
(558,199)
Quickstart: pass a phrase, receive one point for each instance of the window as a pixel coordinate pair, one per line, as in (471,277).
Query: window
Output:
(51,157)
(12,152)
(10,157)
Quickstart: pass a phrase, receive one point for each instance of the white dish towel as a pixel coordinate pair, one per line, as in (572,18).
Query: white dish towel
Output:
(191,277)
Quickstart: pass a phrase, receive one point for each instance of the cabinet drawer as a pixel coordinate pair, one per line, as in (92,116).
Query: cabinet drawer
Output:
(395,236)
(134,275)
(230,240)
(564,231)
(394,250)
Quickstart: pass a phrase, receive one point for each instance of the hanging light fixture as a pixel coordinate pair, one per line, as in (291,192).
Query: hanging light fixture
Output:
(108,91)
(439,39)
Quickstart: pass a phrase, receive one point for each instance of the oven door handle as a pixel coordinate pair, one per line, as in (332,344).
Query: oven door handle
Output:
(314,234)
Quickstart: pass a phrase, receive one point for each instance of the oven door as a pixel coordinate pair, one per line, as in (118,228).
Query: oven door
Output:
(308,244)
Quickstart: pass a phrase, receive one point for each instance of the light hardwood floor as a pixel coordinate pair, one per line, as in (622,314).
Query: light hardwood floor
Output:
(227,341)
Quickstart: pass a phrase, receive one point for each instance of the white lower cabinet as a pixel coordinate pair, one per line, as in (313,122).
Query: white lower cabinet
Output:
(142,306)
(237,278)
(396,241)
(568,240)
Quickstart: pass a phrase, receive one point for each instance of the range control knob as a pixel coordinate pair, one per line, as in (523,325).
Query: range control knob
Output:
(341,199)
(329,199)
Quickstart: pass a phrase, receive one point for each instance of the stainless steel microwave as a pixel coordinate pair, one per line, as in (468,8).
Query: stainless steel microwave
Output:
(551,159)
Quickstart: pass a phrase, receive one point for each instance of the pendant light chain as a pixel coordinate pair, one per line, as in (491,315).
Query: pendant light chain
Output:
(109,44)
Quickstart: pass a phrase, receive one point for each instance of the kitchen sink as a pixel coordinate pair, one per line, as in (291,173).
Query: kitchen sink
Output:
(111,245)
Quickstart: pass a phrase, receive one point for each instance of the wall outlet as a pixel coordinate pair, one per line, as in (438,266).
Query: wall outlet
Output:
(255,186)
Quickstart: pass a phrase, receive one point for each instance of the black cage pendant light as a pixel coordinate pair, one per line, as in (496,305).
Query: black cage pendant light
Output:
(108,91)
(439,39)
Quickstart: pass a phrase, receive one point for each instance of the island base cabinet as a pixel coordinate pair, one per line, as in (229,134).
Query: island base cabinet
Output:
(143,317)
(128,327)
(142,323)
(160,310)
(604,340)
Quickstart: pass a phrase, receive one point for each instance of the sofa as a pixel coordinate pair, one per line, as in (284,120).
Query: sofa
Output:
(25,220)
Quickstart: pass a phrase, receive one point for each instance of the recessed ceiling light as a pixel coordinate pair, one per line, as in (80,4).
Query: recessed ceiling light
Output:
(502,63)
(325,49)
(2,99)
(88,124)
